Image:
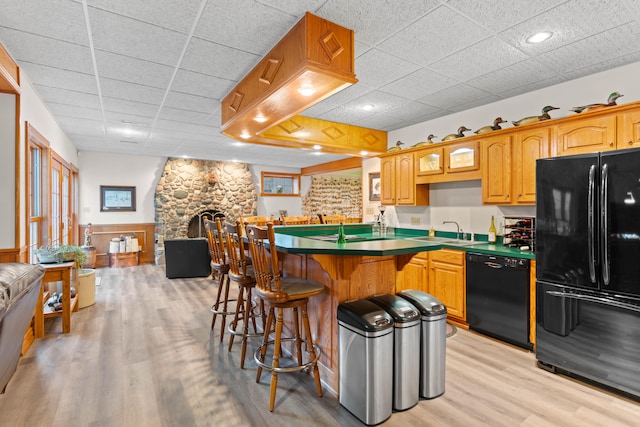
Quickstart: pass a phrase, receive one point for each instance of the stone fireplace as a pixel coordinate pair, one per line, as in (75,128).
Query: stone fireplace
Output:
(190,189)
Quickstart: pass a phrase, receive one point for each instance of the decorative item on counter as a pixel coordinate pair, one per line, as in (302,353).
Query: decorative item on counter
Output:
(611,101)
(432,232)
(495,126)
(456,135)
(428,141)
(396,147)
(87,235)
(533,119)
(492,232)
(342,240)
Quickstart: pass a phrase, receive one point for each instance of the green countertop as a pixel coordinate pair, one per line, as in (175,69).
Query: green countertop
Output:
(316,239)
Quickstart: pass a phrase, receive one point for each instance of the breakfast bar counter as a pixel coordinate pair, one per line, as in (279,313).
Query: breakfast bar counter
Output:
(366,265)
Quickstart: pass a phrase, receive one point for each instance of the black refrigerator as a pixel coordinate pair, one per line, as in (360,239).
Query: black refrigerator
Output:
(588,267)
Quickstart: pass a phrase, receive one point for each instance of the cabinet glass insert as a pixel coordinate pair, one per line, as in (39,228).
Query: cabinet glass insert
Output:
(462,158)
(430,162)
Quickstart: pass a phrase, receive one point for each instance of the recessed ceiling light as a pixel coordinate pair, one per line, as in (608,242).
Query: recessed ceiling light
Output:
(260,118)
(368,107)
(317,147)
(364,153)
(306,90)
(539,37)
(245,135)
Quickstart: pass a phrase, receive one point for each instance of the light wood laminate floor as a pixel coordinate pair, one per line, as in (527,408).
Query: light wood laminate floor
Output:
(144,355)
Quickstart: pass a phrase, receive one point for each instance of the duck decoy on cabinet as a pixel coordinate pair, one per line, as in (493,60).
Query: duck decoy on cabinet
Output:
(611,101)
(456,135)
(496,126)
(396,147)
(532,119)
(427,142)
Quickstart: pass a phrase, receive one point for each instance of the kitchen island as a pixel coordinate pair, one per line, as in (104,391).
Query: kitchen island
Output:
(368,264)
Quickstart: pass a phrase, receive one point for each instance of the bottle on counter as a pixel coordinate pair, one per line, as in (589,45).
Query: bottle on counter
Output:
(432,232)
(492,231)
(341,237)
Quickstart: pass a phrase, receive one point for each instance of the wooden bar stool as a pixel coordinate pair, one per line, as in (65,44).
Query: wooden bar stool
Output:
(333,219)
(281,293)
(240,272)
(296,220)
(220,265)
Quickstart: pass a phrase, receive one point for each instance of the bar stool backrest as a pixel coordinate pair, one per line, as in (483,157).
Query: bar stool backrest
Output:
(296,220)
(216,243)
(235,249)
(333,219)
(265,262)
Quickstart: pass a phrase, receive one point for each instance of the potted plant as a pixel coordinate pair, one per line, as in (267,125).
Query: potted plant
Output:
(47,254)
(86,276)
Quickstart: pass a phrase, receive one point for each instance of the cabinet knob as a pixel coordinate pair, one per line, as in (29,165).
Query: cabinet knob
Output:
(610,143)
(506,197)
(630,142)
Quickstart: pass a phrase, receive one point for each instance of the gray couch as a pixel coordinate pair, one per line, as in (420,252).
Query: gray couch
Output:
(19,290)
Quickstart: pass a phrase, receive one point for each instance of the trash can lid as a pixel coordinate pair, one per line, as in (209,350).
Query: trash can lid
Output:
(400,309)
(426,303)
(364,315)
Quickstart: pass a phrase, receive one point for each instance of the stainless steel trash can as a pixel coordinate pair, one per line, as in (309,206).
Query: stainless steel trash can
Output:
(433,341)
(365,343)
(406,349)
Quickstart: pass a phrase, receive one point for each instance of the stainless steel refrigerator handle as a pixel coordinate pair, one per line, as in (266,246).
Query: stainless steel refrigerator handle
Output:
(591,224)
(598,300)
(604,228)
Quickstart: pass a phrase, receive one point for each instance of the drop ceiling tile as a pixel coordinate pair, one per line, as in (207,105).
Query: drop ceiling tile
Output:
(380,101)
(201,84)
(126,120)
(601,47)
(181,18)
(56,78)
(131,91)
(31,48)
(188,102)
(178,115)
(553,80)
(130,107)
(96,126)
(196,129)
(73,111)
(343,114)
(434,36)
(205,57)
(449,98)
(379,121)
(337,99)
(498,17)
(603,66)
(57,19)
(377,68)
(420,83)
(228,25)
(125,36)
(475,102)
(68,97)
(132,70)
(295,7)
(482,58)
(512,76)
(374,21)
(412,110)
(570,21)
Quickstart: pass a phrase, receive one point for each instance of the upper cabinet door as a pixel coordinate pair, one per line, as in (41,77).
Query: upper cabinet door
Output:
(629,130)
(430,161)
(388,180)
(405,180)
(462,157)
(527,148)
(589,135)
(496,170)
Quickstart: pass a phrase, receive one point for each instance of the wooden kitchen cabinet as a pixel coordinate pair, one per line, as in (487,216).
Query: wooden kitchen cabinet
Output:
(589,135)
(454,162)
(430,161)
(413,272)
(527,148)
(496,170)
(447,281)
(628,130)
(398,180)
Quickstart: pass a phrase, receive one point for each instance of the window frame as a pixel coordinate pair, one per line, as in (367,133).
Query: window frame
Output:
(295,184)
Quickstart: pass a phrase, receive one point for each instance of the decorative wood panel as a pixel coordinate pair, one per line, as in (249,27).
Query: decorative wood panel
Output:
(103,233)
(9,73)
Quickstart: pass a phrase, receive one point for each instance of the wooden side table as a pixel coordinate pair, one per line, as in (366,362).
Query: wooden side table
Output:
(54,273)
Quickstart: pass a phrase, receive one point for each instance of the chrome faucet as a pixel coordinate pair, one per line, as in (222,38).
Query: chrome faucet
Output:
(457,227)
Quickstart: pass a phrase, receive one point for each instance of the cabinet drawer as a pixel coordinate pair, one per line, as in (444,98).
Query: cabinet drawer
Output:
(449,256)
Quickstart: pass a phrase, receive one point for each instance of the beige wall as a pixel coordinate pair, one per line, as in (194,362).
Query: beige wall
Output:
(7,169)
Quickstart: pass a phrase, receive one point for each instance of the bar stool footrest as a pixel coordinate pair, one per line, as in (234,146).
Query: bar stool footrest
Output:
(215,310)
(310,363)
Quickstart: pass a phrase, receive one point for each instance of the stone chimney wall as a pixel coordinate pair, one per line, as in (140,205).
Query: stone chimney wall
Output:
(188,187)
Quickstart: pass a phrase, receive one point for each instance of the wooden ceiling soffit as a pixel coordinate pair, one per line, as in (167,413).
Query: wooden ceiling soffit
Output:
(333,137)
(9,73)
(315,54)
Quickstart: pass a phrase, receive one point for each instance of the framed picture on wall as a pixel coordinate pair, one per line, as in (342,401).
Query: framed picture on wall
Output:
(117,198)
(374,186)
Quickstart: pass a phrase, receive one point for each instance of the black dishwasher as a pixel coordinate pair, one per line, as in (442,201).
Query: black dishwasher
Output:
(498,297)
